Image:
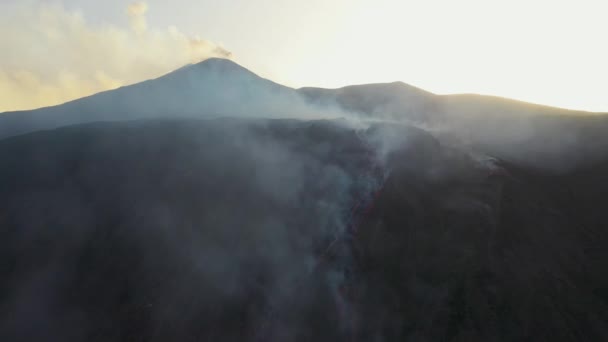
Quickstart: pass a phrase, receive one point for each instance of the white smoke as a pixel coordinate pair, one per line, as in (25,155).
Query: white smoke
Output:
(137,16)
(55,55)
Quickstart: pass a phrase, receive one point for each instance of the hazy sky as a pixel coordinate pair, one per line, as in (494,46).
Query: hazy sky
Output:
(546,51)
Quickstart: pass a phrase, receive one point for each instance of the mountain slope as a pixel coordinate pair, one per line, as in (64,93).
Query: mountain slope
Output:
(226,230)
(214,87)
(395,101)
(537,136)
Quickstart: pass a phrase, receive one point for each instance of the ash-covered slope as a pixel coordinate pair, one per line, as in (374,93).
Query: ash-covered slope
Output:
(287,230)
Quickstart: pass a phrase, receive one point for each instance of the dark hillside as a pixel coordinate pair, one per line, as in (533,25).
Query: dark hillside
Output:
(287,230)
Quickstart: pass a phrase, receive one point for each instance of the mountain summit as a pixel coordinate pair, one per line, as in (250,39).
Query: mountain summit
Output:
(211,88)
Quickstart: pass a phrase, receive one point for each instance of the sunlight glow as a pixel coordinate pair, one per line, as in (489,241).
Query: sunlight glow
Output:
(549,52)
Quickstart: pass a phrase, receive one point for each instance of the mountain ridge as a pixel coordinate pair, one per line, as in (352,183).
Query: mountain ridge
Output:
(230,65)
(509,129)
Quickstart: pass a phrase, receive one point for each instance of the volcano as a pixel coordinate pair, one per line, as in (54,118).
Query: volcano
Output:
(213,205)
(536,136)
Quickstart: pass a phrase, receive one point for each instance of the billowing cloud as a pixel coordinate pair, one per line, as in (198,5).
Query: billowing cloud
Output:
(52,55)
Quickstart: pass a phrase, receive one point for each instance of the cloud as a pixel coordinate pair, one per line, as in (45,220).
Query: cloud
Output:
(55,55)
(137,15)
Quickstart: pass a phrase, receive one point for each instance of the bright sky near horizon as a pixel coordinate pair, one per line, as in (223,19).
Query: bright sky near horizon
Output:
(553,52)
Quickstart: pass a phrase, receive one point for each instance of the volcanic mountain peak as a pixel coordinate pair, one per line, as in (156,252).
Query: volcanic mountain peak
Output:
(222,66)
(220,87)
(213,87)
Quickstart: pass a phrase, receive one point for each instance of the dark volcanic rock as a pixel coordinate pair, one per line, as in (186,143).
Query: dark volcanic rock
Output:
(186,230)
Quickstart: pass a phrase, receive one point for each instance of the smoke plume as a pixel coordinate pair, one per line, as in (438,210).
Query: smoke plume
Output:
(57,56)
(137,16)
